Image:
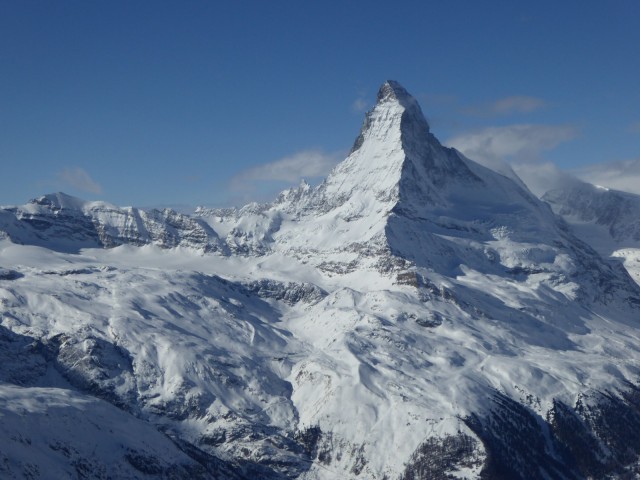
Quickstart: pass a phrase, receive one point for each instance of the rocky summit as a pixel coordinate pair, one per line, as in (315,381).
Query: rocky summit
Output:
(414,316)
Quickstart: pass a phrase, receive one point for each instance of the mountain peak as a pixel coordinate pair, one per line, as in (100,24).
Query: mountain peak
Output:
(396,155)
(58,201)
(395,110)
(392,90)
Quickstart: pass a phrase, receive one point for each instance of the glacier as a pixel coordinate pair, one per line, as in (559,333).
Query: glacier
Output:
(416,315)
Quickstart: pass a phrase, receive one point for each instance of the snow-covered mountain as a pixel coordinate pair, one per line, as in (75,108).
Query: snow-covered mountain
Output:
(617,212)
(59,221)
(416,315)
(609,220)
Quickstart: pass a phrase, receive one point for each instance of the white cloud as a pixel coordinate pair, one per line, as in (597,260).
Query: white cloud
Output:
(508,106)
(360,105)
(621,175)
(517,104)
(542,177)
(292,168)
(80,179)
(518,148)
(522,143)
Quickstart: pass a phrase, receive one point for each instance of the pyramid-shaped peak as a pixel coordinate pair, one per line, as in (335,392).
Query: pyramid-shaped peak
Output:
(394,159)
(392,93)
(397,111)
(392,90)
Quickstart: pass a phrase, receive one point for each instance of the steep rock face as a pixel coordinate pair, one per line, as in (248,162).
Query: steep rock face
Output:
(395,158)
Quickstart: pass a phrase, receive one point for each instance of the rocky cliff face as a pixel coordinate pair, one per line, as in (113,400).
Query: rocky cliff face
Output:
(414,316)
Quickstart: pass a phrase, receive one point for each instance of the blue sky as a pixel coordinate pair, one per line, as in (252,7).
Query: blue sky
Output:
(217,103)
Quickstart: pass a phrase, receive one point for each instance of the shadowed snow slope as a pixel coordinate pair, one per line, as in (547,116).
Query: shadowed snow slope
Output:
(416,315)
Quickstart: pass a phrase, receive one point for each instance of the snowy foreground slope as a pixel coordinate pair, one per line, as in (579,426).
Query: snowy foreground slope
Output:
(415,316)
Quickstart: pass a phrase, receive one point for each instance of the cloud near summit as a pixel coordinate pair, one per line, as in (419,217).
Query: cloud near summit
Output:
(620,175)
(312,163)
(518,147)
(79,178)
(524,142)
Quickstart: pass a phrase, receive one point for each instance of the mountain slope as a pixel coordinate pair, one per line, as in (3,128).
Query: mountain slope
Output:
(414,316)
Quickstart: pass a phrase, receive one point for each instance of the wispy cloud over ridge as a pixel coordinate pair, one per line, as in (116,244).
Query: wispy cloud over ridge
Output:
(543,176)
(359,105)
(79,178)
(522,142)
(312,163)
(620,175)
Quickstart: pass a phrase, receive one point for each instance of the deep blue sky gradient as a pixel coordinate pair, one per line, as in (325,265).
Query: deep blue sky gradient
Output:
(165,102)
